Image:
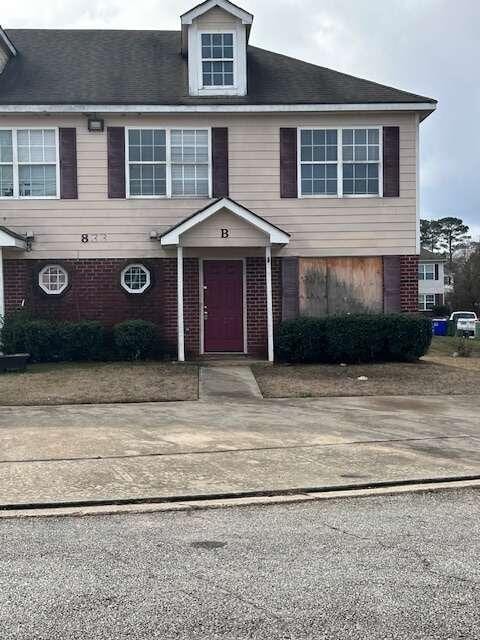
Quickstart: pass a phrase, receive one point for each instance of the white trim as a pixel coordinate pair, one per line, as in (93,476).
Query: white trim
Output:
(203,108)
(195,71)
(15,164)
(44,288)
(141,266)
(339,162)
(417,185)
(180,322)
(202,303)
(277,236)
(268,277)
(167,163)
(238,12)
(6,240)
(2,290)
(8,42)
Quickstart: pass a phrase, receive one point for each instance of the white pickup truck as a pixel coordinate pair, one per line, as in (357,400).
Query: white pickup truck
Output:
(465,321)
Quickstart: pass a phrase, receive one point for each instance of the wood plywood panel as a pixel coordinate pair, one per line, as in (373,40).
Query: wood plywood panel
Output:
(340,285)
(355,285)
(312,274)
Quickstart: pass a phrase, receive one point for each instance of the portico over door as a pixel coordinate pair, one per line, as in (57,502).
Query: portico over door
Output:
(224,224)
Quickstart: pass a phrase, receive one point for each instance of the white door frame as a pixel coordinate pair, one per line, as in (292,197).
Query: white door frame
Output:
(201,298)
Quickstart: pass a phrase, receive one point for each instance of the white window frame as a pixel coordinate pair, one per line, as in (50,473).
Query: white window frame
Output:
(422,270)
(195,75)
(168,164)
(15,164)
(339,131)
(145,269)
(422,301)
(218,87)
(44,288)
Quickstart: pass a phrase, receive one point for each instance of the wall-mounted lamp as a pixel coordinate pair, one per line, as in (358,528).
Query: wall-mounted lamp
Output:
(153,235)
(95,124)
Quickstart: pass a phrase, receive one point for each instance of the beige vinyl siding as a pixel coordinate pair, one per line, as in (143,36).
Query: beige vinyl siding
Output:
(209,233)
(318,226)
(216,18)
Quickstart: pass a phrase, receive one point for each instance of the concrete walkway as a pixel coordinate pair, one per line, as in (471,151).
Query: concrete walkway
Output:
(227,383)
(134,451)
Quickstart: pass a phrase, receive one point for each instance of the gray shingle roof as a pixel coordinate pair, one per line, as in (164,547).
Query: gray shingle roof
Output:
(429,256)
(146,67)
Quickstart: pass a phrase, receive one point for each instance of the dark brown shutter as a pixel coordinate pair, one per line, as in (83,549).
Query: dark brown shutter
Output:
(220,162)
(438,299)
(288,163)
(436,272)
(391,284)
(391,162)
(116,162)
(290,300)
(67,141)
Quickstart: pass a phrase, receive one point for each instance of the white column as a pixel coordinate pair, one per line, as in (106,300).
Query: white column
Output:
(2,290)
(268,274)
(180,328)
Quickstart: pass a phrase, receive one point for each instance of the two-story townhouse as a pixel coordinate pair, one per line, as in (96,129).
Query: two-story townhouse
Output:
(431,280)
(189,178)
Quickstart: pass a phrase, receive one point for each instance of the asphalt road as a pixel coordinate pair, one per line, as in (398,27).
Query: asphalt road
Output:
(368,568)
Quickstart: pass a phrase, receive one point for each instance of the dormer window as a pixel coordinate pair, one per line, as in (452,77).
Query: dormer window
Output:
(214,41)
(217,59)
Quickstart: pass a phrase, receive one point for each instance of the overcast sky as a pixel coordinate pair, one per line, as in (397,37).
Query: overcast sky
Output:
(430,47)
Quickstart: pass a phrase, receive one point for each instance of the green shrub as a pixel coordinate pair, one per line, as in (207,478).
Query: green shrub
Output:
(354,338)
(136,340)
(50,341)
(83,340)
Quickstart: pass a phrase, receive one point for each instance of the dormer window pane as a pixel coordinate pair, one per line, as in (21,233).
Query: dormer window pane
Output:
(217,60)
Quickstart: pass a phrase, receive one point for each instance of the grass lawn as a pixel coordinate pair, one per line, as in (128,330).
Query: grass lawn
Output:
(83,383)
(438,373)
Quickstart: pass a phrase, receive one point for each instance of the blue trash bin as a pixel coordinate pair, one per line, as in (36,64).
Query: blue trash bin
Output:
(440,327)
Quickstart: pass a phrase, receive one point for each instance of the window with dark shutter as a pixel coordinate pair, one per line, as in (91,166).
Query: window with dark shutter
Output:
(288,163)
(220,162)
(68,163)
(391,162)
(116,162)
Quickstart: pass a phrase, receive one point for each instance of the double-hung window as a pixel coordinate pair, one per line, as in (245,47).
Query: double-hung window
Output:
(426,271)
(168,163)
(361,161)
(340,162)
(28,163)
(426,301)
(217,59)
(318,156)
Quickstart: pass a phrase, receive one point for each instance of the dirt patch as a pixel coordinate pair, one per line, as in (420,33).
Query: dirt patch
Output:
(74,383)
(420,378)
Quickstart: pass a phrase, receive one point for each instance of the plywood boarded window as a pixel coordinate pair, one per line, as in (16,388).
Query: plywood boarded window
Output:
(340,285)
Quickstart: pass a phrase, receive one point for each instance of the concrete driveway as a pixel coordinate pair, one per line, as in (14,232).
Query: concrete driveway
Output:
(120,452)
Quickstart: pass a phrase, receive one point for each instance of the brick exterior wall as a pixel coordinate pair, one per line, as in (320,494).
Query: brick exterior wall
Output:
(257,303)
(95,293)
(409,283)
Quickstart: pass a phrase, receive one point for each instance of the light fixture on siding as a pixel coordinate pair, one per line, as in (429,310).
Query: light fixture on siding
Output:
(95,124)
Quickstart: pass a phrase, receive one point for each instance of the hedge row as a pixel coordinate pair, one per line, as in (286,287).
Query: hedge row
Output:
(51,341)
(354,338)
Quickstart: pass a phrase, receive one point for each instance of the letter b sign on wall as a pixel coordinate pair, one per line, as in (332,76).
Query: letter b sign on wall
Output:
(224,233)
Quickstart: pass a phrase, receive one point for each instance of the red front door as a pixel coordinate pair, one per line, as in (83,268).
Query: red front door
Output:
(223,305)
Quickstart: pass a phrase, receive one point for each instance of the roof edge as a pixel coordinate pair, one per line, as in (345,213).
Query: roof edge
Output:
(7,43)
(217,108)
(226,5)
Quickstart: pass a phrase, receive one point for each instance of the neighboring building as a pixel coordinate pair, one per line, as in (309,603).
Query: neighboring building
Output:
(431,280)
(191,179)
